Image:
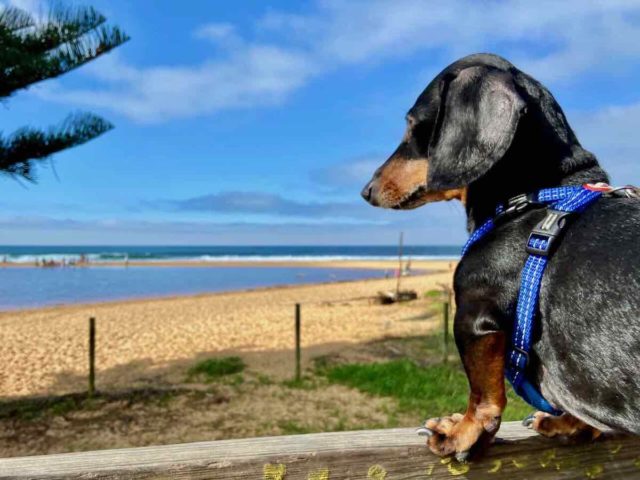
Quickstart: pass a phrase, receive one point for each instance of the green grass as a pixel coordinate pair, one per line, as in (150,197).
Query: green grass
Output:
(38,408)
(431,391)
(434,294)
(263,379)
(290,427)
(34,409)
(307,382)
(215,368)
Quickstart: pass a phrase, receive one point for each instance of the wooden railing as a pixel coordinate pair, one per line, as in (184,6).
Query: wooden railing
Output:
(370,454)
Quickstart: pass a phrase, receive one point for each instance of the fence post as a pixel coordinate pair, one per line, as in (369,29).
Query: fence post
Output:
(298,370)
(92,356)
(445,313)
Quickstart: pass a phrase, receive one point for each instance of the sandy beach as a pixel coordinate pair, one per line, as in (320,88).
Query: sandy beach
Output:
(44,351)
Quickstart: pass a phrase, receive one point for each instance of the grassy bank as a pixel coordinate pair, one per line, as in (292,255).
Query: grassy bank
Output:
(435,391)
(418,379)
(381,384)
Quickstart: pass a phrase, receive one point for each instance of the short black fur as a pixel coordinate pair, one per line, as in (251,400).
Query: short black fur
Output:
(586,352)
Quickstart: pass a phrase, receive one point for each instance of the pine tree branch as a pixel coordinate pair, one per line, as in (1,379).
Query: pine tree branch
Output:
(63,25)
(20,151)
(13,19)
(68,40)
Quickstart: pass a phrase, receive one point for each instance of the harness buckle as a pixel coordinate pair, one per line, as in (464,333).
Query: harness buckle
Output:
(544,235)
(516,205)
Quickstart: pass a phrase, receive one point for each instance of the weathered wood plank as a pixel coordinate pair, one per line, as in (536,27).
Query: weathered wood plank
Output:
(374,454)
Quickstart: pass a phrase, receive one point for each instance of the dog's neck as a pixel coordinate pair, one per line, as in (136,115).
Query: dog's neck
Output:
(526,169)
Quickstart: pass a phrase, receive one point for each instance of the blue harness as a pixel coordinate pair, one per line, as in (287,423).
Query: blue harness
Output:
(561,202)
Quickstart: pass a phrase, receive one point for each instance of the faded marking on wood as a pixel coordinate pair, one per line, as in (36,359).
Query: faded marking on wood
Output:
(456,469)
(497,465)
(274,472)
(376,454)
(322,474)
(376,472)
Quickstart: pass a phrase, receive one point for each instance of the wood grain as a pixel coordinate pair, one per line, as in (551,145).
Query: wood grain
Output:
(368,454)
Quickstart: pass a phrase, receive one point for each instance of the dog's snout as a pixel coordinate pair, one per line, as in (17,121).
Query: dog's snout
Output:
(368,192)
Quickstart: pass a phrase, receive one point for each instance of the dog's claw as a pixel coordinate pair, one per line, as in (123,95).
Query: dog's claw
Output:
(424,432)
(528,421)
(462,457)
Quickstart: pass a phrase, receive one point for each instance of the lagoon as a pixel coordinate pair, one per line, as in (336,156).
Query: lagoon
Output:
(22,287)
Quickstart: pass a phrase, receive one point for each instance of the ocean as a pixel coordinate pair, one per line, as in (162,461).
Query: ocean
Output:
(29,254)
(36,287)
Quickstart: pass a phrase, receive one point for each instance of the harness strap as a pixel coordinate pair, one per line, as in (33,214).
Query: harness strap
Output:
(563,202)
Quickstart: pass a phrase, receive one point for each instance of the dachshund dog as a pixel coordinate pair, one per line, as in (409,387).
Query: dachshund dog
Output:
(483,132)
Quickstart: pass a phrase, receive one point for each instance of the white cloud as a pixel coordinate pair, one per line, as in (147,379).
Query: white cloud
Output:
(262,75)
(419,227)
(350,175)
(576,35)
(223,34)
(555,41)
(215,31)
(612,134)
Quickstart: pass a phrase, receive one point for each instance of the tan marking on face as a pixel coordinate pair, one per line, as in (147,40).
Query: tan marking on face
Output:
(399,178)
(403,184)
(446,195)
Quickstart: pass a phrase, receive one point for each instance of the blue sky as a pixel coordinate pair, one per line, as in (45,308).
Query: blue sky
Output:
(256,122)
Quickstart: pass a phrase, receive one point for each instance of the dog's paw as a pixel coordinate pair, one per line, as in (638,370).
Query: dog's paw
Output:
(456,435)
(565,425)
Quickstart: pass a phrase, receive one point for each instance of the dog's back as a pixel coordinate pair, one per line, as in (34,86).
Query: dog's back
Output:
(590,309)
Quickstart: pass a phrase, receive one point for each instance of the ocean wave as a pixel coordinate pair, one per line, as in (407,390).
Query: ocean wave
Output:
(151,258)
(312,258)
(55,257)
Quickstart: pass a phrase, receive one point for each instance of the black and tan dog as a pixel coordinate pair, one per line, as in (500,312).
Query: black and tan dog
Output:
(483,132)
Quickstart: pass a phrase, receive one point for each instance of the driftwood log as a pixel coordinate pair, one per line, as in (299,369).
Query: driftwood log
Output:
(389,297)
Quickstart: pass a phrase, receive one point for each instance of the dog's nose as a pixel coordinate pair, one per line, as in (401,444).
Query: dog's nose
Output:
(368,193)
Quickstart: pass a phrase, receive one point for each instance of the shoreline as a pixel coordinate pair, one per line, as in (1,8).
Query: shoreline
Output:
(420,268)
(320,263)
(45,348)
(199,295)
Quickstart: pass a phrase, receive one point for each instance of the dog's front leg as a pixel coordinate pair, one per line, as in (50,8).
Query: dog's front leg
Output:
(481,344)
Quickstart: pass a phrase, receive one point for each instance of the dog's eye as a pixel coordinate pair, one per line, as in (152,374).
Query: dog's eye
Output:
(422,135)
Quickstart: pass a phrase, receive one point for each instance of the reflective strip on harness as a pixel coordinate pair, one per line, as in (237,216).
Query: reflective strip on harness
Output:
(562,201)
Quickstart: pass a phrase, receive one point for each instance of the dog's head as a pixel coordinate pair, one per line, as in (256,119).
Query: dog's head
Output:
(460,126)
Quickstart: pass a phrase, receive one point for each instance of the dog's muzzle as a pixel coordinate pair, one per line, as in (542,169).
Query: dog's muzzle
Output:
(369,192)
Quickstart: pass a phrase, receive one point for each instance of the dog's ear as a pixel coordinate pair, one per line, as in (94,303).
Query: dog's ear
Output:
(476,122)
